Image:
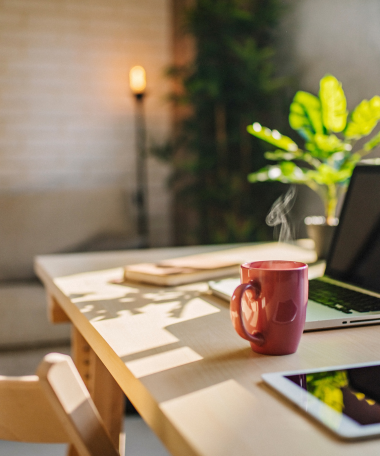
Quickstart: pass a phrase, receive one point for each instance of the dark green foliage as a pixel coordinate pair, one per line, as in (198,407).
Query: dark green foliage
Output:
(229,84)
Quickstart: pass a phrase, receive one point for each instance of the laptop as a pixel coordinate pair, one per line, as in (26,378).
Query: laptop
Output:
(348,294)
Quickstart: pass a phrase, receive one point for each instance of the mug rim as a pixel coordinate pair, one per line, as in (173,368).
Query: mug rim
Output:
(298,265)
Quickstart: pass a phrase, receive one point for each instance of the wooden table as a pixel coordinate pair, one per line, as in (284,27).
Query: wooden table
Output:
(176,356)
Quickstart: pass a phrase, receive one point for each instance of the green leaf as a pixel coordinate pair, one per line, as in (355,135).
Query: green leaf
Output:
(305,114)
(333,102)
(279,155)
(326,175)
(372,143)
(272,137)
(328,143)
(323,146)
(290,173)
(363,118)
(286,172)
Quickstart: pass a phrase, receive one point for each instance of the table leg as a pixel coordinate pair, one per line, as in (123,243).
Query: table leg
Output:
(55,311)
(105,392)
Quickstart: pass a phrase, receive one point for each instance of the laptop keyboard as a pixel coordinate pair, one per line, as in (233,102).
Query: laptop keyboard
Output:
(342,299)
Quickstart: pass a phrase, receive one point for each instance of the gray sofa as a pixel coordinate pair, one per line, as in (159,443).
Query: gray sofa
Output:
(44,222)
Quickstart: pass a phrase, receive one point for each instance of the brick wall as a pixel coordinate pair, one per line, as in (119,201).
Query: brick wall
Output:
(66,113)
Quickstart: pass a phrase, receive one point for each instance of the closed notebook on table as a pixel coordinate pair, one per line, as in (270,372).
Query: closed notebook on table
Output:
(211,265)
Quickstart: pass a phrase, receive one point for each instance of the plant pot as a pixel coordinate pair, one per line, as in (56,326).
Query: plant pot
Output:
(322,235)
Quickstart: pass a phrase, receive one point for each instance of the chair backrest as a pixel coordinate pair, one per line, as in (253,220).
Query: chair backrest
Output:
(53,406)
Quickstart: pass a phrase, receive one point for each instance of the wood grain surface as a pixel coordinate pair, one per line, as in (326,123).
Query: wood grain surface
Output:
(174,352)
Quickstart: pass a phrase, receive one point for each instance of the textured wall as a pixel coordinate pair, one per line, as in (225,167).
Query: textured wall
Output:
(66,113)
(341,37)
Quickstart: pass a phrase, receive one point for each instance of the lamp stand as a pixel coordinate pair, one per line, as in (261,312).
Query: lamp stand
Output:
(141,173)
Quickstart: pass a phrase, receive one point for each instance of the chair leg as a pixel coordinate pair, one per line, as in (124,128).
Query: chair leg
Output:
(122,444)
(105,392)
(72,451)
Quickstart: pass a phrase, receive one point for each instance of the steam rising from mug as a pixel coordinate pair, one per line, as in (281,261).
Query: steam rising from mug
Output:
(278,214)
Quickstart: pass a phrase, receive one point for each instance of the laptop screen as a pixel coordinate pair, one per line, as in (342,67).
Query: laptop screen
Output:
(354,255)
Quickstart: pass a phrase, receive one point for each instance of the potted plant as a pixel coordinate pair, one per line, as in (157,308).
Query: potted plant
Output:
(330,133)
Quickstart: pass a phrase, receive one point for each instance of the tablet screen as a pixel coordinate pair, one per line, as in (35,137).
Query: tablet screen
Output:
(354,392)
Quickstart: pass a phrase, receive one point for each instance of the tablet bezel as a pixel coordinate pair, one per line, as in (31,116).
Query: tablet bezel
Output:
(339,424)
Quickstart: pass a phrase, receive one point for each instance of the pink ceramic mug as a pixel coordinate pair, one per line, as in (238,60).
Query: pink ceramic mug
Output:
(269,307)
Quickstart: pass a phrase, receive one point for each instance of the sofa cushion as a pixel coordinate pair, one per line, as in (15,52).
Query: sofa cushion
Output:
(54,221)
(24,318)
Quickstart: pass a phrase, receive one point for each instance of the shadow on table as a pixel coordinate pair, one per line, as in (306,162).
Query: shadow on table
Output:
(180,332)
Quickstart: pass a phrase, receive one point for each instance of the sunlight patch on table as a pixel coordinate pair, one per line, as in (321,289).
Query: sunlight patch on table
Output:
(163,295)
(127,300)
(213,405)
(95,286)
(148,327)
(87,308)
(166,313)
(198,287)
(162,361)
(129,335)
(198,307)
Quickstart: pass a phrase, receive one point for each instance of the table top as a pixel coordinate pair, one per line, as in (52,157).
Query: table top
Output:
(176,355)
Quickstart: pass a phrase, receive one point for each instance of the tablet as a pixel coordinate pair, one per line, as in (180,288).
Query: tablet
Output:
(345,399)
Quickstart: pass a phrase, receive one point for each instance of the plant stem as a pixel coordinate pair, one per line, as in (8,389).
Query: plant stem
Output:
(362,152)
(309,159)
(331,203)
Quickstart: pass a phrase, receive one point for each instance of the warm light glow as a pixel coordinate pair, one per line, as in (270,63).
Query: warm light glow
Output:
(137,80)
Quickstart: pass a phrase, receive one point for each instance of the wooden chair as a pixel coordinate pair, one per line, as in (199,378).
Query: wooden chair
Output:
(53,406)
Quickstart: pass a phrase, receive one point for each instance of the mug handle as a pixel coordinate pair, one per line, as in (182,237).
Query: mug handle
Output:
(236,314)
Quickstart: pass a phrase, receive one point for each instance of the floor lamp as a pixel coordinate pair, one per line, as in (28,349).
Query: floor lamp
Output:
(137,82)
